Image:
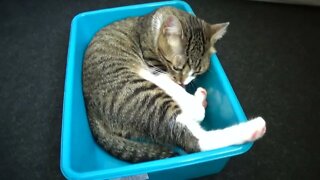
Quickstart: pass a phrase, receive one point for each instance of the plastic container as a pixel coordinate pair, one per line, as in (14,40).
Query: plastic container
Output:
(82,158)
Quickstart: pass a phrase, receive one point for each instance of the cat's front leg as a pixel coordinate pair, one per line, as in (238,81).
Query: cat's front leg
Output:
(201,96)
(191,105)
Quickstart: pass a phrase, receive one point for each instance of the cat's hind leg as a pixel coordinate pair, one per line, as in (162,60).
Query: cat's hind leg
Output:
(126,145)
(237,134)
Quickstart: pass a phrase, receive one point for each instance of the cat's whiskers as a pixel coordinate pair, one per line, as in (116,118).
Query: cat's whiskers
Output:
(192,85)
(208,70)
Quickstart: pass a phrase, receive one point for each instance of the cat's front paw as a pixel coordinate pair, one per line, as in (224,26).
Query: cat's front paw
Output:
(198,112)
(200,104)
(201,96)
(193,106)
(193,109)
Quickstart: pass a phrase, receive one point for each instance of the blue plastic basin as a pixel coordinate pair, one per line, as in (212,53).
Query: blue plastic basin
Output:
(82,158)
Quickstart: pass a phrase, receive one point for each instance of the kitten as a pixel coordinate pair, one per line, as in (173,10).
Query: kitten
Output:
(133,77)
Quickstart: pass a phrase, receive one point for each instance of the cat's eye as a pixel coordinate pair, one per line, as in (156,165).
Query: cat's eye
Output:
(196,73)
(176,68)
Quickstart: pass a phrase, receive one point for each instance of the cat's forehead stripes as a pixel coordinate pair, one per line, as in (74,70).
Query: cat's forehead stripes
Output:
(195,48)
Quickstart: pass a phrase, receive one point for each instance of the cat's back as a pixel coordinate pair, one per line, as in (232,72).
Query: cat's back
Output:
(120,36)
(113,47)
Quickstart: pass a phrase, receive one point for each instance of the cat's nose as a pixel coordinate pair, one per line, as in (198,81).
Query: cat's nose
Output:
(181,84)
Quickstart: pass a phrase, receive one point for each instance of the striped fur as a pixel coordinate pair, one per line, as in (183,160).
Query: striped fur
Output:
(122,106)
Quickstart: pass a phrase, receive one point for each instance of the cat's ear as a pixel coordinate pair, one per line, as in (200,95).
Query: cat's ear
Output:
(172,26)
(169,41)
(217,31)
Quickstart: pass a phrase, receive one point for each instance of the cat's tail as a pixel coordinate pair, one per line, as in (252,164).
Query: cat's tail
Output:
(133,151)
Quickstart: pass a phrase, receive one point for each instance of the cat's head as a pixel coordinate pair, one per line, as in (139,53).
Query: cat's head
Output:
(185,45)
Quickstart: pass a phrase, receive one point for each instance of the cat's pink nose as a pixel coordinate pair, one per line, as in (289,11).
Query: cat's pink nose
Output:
(181,84)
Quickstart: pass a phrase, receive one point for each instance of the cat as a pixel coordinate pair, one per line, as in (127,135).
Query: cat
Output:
(134,73)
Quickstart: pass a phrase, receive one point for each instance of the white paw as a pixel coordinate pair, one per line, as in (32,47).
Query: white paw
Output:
(192,109)
(237,134)
(251,130)
(257,127)
(201,96)
(201,103)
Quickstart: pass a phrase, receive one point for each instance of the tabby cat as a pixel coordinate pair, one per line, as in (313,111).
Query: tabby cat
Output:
(134,75)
